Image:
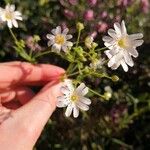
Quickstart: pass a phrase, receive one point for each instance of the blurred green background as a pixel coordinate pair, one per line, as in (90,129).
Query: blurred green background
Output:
(119,124)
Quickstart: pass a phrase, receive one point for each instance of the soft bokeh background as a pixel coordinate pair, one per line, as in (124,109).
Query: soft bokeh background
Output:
(119,124)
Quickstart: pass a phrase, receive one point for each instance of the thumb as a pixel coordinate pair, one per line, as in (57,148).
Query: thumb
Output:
(34,115)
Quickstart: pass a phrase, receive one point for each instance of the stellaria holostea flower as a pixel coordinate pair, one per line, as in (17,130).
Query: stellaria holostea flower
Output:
(10,16)
(121,46)
(73,98)
(59,39)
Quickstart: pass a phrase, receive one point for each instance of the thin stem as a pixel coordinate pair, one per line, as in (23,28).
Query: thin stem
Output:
(96,93)
(41,54)
(75,73)
(13,35)
(100,75)
(101,49)
(78,38)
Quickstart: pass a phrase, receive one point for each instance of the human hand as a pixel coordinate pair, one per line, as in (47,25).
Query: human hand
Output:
(22,113)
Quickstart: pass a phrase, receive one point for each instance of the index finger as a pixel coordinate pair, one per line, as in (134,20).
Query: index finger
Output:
(13,73)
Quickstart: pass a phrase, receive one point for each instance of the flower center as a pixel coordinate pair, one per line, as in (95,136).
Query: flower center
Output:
(122,43)
(59,39)
(8,15)
(74,98)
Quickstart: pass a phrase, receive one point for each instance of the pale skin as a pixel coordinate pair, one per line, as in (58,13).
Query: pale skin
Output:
(23,114)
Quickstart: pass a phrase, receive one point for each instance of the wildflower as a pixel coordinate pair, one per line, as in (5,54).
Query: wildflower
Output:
(121,46)
(89,15)
(73,98)
(59,40)
(10,16)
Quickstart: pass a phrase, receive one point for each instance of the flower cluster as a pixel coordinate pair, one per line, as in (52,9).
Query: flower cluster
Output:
(84,58)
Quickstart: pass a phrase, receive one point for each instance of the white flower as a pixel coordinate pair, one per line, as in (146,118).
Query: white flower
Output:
(73,98)
(59,39)
(121,46)
(10,16)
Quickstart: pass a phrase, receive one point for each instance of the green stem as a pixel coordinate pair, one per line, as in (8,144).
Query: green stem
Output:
(13,35)
(75,73)
(96,93)
(101,49)
(41,54)
(100,75)
(78,38)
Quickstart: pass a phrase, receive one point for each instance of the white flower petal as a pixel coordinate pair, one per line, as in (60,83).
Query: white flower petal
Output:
(82,106)
(132,51)
(50,43)
(50,36)
(15,23)
(69,44)
(65,90)
(69,110)
(69,85)
(117,28)
(136,36)
(124,66)
(64,48)
(112,33)
(12,8)
(116,65)
(115,59)
(85,100)
(82,89)
(57,30)
(123,28)
(108,54)
(61,102)
(107,39)
(137,43)
(75,111)
(65,31)
(56,48)
(69,36)
(128,59)
(17,13)
(9,23)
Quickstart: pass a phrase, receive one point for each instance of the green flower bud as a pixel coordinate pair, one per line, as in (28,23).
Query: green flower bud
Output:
(115,78)
(107,95)
(80,26)
(86,70)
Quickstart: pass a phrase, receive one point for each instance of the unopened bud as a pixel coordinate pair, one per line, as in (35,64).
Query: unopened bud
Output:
(89,15)
(115,78)
(80,26)
(107,95)
(88,41)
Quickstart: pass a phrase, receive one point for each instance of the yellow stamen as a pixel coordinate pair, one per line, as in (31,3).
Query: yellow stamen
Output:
(8,15)
(122,43)
(59,39)
(74,97)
